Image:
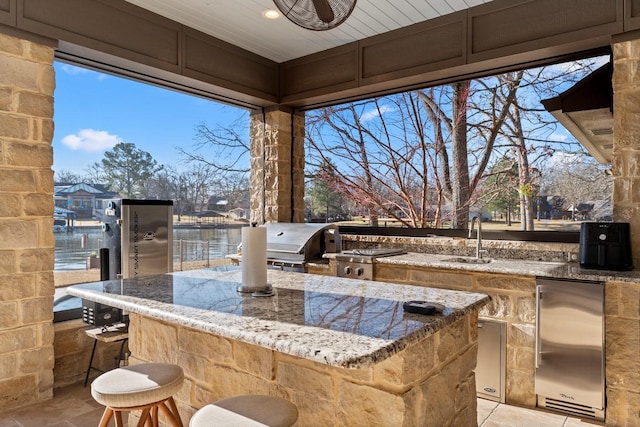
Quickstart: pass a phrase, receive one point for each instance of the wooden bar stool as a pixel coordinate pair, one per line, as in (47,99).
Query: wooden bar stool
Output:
(148,387)
(247,411)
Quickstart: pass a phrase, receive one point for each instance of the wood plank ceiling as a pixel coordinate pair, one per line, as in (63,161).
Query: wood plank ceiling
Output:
(240,22)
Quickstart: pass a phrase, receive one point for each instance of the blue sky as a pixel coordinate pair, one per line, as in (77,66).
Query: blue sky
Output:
(94,111)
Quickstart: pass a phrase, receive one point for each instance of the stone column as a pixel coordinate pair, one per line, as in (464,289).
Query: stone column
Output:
(277,166)
(626,133)
(26,222)
(622,299)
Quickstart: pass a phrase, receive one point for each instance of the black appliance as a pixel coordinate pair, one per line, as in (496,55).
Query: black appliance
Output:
(97,314)
(605,246)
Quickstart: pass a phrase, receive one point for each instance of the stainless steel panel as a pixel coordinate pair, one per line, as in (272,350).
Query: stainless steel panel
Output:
(355,269)
(490,370)
(296,241)
(147,238)
(570,341)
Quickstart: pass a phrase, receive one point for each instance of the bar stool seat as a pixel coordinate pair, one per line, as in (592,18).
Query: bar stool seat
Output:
(247,411)
(148,387)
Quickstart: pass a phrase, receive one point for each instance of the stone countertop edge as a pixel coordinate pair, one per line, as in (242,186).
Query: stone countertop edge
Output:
(558,270)
(325,346)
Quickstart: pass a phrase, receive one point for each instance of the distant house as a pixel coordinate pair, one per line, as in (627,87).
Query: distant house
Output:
(63,220)
(239,213)
(86,200)
(217,204)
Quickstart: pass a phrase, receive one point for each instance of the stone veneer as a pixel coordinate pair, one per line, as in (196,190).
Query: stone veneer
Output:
(504,249)
(512,301)
(622,343)
(411,388)
(277,166)
(26,221)
(73,352)
(626,132)
(623,310)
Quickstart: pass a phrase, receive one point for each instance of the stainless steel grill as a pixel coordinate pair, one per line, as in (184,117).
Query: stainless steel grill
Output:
(358,263)
(294,244)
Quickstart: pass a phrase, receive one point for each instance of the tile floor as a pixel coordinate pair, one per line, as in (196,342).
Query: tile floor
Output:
(493,414)
(73,406)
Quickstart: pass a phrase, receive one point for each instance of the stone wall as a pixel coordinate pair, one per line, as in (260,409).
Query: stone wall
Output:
(277,166)
(622,325)
(623,310)
(26,222)
(412,388)
(626,137)
(512,301)
(73,352)
(509,249)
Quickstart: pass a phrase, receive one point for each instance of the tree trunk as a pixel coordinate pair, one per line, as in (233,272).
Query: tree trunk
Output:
(525,181)
(460,190)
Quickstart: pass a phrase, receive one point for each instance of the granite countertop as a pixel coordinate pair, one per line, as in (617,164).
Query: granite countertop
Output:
(560,270)
(336,321)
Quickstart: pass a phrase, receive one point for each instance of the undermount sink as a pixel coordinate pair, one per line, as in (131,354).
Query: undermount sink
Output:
(468,260)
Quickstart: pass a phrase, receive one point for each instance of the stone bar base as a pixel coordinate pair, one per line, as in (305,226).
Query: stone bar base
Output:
(512,301)
(431,383)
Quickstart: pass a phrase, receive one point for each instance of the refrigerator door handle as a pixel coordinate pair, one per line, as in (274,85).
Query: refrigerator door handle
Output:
(538,345)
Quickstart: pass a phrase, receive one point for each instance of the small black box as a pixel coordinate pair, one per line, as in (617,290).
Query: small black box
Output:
(97,314)
(605,246)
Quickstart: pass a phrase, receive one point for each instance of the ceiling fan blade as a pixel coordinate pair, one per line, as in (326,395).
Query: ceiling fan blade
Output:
(324,11)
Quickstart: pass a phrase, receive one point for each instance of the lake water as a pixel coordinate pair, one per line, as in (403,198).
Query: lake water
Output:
(197,244)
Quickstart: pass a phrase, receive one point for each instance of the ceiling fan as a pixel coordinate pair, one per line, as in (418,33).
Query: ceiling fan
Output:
(317,15)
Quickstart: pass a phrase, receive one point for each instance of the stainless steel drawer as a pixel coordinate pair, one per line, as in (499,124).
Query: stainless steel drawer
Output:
(490,369)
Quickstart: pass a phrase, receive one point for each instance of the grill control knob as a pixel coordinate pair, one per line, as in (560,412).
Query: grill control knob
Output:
(347,271)
(359,271)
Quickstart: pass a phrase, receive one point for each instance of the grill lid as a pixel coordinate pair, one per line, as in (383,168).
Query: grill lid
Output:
(300,241)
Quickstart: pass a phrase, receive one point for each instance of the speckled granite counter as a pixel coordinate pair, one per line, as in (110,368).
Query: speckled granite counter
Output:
(560,270)
(347,323)
(342,350)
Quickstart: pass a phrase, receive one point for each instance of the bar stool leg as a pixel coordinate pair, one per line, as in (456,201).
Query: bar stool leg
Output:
(172,412)
(144,417)
(119,422)
(121,354)
(93,352)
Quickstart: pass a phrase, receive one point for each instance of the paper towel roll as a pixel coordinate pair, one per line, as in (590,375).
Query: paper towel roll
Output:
(254,259)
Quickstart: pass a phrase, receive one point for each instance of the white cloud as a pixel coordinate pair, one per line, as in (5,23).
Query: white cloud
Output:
(559,137)
(375,112)
(72,70)
(91,140)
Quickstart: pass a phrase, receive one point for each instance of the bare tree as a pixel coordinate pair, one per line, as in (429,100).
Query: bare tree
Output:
(527,132)
(580,180)
(67,176)
(224,149)
(197,181)
(94,173)
(379,154)
(234,187)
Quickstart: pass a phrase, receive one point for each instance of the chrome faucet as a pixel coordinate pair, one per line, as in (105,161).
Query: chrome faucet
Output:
(479,250)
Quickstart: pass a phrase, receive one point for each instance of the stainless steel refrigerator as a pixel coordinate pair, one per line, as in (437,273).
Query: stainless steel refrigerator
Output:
(147,237)
(570,375)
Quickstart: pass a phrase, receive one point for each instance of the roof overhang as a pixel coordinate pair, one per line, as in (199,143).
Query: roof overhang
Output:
(586,110)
